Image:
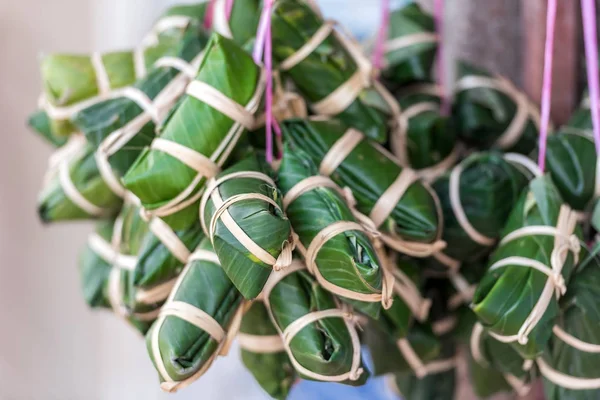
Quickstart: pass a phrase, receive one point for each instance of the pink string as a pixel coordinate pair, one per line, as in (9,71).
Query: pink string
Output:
(588,12)
(262,48)
(208,17)
(547,84)
(438,17)
(382,34)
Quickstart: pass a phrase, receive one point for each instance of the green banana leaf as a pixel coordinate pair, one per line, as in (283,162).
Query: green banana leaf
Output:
(507,295)
(571,160)
(483,114)
(347,260)
(158,178)
(324,346)
(489,187)
(294,22)
(243,21)
(414,63)
(68,79)
(184,349)
(271,368)
(41,124)
(368,172)
(54,203)
(105,275)
(100,120)
(262,222)
(439,386)
(580,318)
(430,139)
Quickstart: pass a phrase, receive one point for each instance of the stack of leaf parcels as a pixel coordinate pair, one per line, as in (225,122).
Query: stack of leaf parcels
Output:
(384,223)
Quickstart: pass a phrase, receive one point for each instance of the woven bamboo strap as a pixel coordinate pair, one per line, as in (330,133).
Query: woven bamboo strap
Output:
(525,109)
(519,160)
(444,326)
(566,381)
(261,344)
(102,80)
(464,290)
(221,212)
(310,254)
(402,42)
(109,254)
(421,369)
(565,242)
(295,327)
(520,386)
(207,167)
(452,264)
(287,104)
(220,20)
(405,288)
(575,342)
(155,295)
(196,317)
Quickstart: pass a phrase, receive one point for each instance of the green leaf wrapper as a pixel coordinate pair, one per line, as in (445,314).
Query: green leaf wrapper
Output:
(579,319)
(369,171)
(428,141)
(185,349)
(326,68)
(70,79)
(411,46)
(488,187)
(263,224)
(347,264)
(171,188)
(511,292)
(42,125)
(263,353)
(324,346)
(242,23)
(484,113)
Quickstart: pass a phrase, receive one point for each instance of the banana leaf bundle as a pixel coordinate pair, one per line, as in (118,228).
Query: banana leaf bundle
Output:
(329,70)
(491,113)
(476,198)
(570,364)
(406,211)
(263,353)
(496,366)
(242,214)
(517,299)
(320,338)
(573,164)
(72,82)
(106,265)
(337,249)
(410,47)
(439,385)
(197,323)
(242,22)
(199,135)
(426,140)
(40,122)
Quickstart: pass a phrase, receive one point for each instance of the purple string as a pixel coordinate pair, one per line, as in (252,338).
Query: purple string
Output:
(588,12)
(262,47)
(438,16)
(547,84)
(379,50)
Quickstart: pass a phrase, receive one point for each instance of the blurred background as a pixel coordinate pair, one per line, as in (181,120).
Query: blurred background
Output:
(51,345)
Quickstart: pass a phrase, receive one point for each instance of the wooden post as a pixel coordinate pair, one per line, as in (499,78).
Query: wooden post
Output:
(566,54)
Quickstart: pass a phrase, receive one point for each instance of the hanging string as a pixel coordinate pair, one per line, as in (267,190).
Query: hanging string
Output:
(262,49)
(382,34)
(210,10)
(438,16)
(588,12)
(547,84)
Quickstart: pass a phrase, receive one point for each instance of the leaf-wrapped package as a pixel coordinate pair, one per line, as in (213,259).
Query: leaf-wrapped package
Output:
(319,337)
(477,196)
(517,299)
(329,69)
(199,136)
(426,141)
(490,112)
(405,210)
(263,353)
(411,46)
(337,249)
(73,82)
(197,323)
(242,214)
(570,364)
